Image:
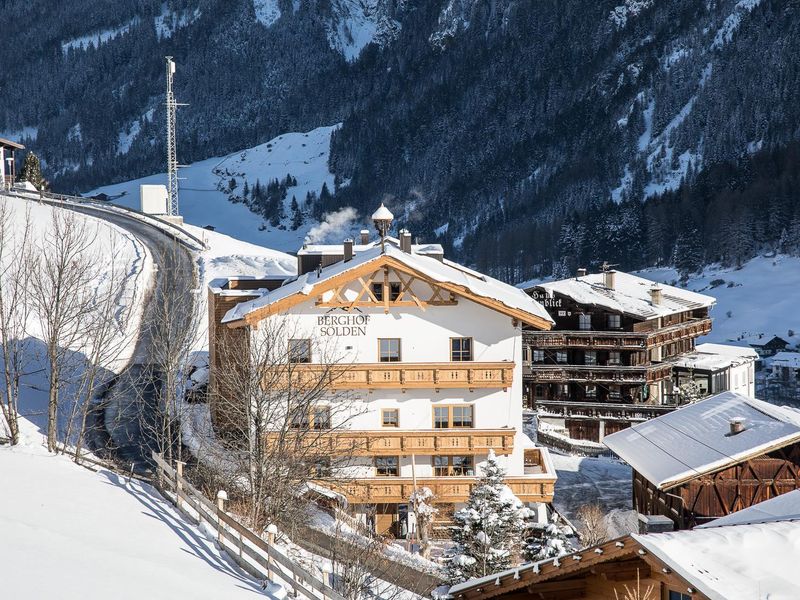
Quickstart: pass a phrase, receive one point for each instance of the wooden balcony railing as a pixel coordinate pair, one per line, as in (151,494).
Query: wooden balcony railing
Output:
(528,488)
(647,337)
(543,373)
(400,442)
(600,410)
(407,375)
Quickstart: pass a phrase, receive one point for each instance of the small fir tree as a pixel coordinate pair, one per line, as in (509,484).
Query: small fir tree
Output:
(32,171)
(550,542)
(297,215)
(488,530)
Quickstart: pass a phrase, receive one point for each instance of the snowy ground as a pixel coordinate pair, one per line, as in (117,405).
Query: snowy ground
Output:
(70,533)
(202,201)
(604,481)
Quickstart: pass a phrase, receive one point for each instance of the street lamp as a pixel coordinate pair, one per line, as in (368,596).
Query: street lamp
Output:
(382,218)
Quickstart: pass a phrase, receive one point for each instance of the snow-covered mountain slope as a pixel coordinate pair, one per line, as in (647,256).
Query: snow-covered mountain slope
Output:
(356,23)
(71,533)
(205,187)
(754,302)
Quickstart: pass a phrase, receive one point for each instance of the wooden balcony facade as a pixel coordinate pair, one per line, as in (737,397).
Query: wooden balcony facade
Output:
(400,375)
(548,373)
(379,490)
(600,410)
(399,442)
(648,337)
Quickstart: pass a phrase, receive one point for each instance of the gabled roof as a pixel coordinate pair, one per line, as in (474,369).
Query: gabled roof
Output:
(447,275)
(785,507)
(630,296)
(695,439)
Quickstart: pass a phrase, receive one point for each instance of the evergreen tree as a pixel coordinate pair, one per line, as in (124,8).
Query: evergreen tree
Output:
(32,171)
(297,215)
(550,542)
(488,530)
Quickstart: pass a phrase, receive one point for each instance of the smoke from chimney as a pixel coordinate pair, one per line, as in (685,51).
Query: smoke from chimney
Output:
(333,224)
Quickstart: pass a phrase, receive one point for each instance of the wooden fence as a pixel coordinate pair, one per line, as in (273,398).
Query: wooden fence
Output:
(256,556)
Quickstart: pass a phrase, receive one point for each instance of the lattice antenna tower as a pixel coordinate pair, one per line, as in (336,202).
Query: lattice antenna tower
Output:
(172,154)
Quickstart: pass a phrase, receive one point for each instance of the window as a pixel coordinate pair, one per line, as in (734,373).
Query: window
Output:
(453,466)
(387,466)
(300,420)
(299,351)
(591,390)
(394,291)
(321,417)
(584,321)
(590,357)
(538,356)
(673,595)
(389,349)
(377,291)
(614,358)
(561,356)
(614,322)
(390,417)
(447,417)
(460,349)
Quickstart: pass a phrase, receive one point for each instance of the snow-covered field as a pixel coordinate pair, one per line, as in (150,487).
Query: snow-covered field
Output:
(757,301)
(68,532)
(203,201)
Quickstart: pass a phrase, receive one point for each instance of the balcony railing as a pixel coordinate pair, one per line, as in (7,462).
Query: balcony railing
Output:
(541,373)
(400,442)
(407,375)
(600,410)
(648,337)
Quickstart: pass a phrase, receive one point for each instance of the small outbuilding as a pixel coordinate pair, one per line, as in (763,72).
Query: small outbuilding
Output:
(8,168)
(711,458)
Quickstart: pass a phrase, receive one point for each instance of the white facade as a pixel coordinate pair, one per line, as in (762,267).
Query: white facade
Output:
(153,199)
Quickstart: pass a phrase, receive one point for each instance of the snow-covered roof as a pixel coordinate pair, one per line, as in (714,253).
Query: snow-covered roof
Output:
(438,271)
(338,249)
(785,507)
(786,359)
(695,439)
(733,563)
(713,357)
(631,295)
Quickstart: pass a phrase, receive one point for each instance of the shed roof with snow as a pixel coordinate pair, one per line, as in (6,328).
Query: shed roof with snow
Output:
(714,357)
(630,295)
(696,439)
(447,274)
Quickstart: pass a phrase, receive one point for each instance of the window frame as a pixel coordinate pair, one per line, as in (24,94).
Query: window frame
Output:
(450,415)
(471,356)
(396,412)
(466,470)
(289,353)
(614,318)
(590,358)
(389,359)
(559,353)
(377,468)
(581,317)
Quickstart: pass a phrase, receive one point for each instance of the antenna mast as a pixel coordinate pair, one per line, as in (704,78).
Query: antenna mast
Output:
(172,154)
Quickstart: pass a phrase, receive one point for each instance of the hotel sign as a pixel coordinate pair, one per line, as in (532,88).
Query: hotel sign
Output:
(342,325)
(546,300)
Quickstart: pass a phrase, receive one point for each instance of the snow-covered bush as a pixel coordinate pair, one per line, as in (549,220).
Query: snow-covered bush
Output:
(488,530)
(548,542)
(421,502)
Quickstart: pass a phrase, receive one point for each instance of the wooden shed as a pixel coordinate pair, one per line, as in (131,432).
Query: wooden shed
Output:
(8,168)
(711,458)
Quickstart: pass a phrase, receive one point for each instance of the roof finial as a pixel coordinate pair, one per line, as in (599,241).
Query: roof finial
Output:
(383,220)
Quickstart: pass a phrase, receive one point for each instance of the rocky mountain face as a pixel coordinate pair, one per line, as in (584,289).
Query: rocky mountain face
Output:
(528,137)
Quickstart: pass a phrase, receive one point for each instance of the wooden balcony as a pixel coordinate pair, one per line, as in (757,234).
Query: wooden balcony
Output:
(600,410)
(646,337)
(548,373)
(399,442)
(400,375)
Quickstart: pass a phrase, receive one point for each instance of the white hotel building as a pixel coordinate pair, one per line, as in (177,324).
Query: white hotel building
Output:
(433,355)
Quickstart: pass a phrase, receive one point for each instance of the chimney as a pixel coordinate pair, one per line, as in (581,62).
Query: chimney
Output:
(348,249)
(405,241)
(655,524)
(655,295)
(737,425)
(581,272)
(364,237)
(609,278)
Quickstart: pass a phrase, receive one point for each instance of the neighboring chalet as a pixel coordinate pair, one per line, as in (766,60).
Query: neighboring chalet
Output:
(606,362)
(769,347)
(711,458)
(754,556)
(785,367)
(8,168)
(428,351)
(718,368)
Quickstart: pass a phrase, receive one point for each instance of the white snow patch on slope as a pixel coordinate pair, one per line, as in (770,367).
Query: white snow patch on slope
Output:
(267,11)
(168,22)
(356,23)
(619,15)
(202,202)
(97,38)
(732,22)
(75,534)
(454,18)
(126,137)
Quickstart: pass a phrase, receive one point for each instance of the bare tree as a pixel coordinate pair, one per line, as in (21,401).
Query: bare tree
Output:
(280,418)
(15,272)
(62,283)
(592,526)
(421,502)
